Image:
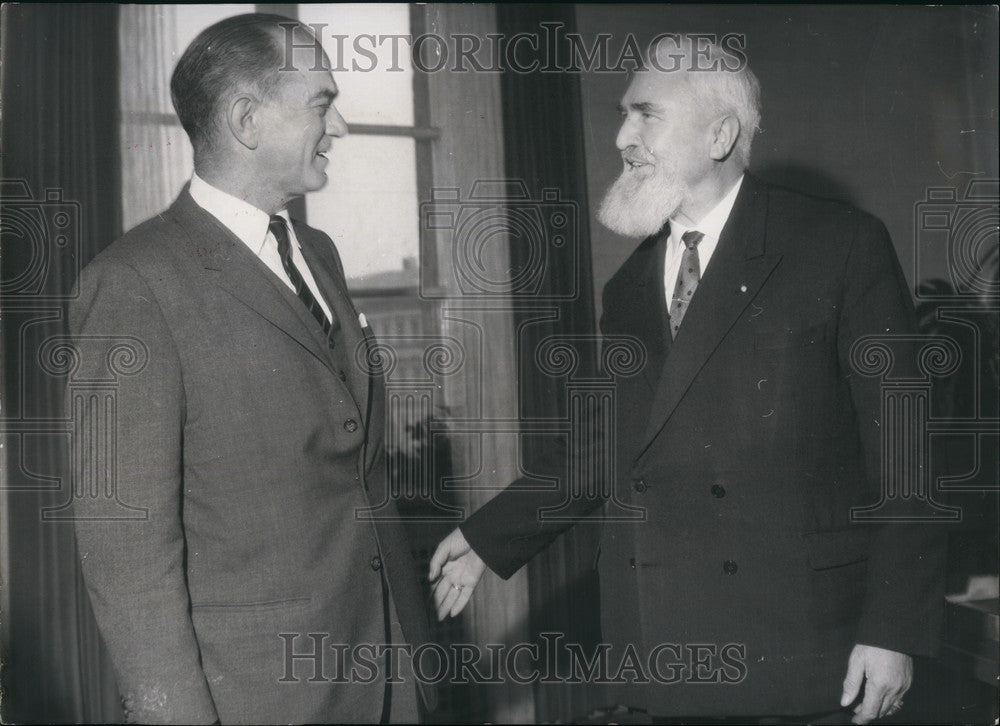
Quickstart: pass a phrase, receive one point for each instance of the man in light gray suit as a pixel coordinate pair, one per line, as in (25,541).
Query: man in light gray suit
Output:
(252,438)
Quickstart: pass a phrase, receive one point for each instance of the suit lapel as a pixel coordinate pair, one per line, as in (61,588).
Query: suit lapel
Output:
(328,276)
(376,411)
(736,272)
(653,320)
(237,270)
(364,376)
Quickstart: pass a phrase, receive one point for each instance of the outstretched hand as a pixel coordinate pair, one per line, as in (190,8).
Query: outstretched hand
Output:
(454,573)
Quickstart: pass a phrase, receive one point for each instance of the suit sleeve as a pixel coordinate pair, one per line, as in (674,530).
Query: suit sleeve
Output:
(135,568)
(905,588)
(512,528)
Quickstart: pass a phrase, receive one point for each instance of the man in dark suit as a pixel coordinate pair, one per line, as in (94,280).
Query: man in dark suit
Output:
(747,439)
(251,440)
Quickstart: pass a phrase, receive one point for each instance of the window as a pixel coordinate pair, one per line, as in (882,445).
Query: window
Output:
(369,206)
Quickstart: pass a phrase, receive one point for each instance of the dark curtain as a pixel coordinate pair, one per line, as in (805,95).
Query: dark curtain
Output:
(60,197)
(544,148)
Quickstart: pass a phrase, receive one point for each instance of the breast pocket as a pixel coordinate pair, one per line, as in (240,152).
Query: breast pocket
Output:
(837,548)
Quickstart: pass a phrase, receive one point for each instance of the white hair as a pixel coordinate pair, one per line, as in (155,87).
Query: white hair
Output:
(724,89)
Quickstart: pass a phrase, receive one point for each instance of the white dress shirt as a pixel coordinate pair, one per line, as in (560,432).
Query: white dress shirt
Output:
(710,225)
(250,225)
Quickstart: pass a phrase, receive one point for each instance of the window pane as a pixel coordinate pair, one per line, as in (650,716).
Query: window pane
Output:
(192,19)
(369,208)
(380,91)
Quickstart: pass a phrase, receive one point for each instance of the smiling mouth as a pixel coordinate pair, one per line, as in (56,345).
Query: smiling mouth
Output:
(634,164)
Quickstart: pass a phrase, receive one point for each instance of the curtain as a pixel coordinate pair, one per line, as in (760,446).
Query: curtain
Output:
(470,149)
(59,206)
(155,152)
(548,157)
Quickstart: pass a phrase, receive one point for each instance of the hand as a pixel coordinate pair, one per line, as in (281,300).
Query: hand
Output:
(460,570)
(887,676)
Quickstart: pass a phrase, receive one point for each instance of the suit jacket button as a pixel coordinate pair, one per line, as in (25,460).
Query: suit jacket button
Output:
(631,562)
(350,425)
(640,486)
(718,491)
(376,563)
(730,567)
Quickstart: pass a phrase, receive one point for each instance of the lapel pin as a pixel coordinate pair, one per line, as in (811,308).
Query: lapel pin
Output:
(362,320)
(743,288)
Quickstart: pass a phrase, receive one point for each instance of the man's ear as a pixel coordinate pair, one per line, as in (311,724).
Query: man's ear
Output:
(724,131)
(243,121)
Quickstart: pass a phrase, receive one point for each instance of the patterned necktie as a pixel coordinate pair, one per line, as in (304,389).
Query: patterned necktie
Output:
(280,231)
(687,280)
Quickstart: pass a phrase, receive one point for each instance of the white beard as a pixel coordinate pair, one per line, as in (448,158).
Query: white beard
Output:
(637,206)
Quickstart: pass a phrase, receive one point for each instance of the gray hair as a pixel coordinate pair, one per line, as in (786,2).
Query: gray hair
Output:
(243,50)
(721,81)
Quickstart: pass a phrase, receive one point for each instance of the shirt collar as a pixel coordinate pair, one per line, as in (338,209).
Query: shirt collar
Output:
(241,218)
(712,223)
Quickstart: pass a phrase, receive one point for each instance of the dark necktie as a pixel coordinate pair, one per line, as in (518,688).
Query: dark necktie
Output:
(687,280)
(280,231)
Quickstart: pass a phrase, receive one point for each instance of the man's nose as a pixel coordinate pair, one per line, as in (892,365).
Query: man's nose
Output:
(627,136)
(335,123)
